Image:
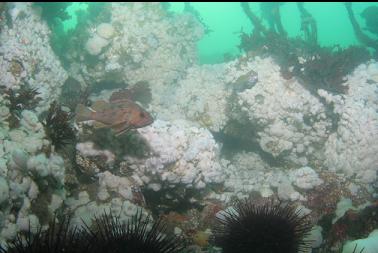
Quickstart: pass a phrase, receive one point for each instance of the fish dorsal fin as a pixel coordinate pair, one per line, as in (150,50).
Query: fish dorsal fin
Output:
(120,95)
(123,103)
(100,105)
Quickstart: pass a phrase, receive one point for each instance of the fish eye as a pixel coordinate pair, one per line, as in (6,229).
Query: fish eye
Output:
(141,114)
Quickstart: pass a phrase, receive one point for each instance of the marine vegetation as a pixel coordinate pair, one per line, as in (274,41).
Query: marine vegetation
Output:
(271,12)
(327,68)
(63,41)
(109,234)
(166,200)
(58,127)
(353,224)
(2,7)
(52,12)
(188,7)
(370,16)
(59,237)
(263,228)
(319,67)
(24,98)
(130,143)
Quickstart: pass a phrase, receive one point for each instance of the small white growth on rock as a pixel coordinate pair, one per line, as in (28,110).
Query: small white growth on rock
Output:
(33,191)
(105,30)
(315,237)
(155,187)
(343,206)
(109,182)
(20,158)
(4,190)
(201,97)
(26,55)
(286,191)
(56,202)
(353,148)
(39,163)
(9,229)
(289,119)
(183,153)
(28,223)
(366,245)
(306,178)
(85,209)
(88,149)
(247,172)
(44,166)
(95,44)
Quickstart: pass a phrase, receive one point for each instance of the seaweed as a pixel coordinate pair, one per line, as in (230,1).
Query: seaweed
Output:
(327,68)
(131,143)
(51,11)
(58,127)
(65,43)
(99,12)
(24,98)
(318,67)
(308,24)
(188,7)
(271,12)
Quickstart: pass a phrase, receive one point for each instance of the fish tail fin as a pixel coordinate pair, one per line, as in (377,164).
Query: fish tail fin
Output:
(83,113)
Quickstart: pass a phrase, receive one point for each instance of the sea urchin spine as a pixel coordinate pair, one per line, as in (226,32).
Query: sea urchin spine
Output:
(268,228)
(58,238)
(109,234)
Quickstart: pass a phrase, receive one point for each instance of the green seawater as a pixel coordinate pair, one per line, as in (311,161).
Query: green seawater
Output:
(227,19)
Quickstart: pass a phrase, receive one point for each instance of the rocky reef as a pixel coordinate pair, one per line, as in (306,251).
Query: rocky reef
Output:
(307,146)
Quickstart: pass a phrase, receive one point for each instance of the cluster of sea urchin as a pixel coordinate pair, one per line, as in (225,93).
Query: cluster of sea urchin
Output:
(269,228)
(58,238)
(109,234)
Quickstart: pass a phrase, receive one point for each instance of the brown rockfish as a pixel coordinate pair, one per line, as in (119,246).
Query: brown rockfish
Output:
(120,115)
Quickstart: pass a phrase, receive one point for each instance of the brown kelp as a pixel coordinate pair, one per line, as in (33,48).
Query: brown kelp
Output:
(363,37)
(328,68)
(58,126)
(23,98)
(318,67)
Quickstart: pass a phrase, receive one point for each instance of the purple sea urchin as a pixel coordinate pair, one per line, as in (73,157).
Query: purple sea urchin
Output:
(58,238)
(109,234)
(268,228)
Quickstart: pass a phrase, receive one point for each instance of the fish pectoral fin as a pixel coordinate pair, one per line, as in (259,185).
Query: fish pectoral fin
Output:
(83,113)
(121,128)
(100,105)
(98,124)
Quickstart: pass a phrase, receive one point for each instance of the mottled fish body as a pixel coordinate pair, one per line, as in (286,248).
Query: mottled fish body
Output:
(120,115)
